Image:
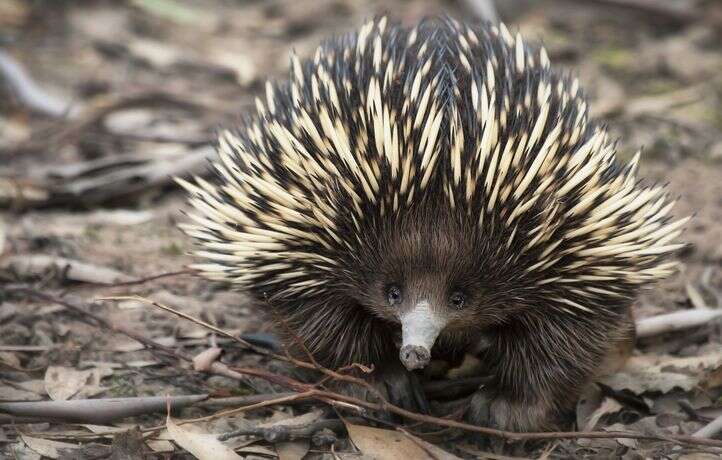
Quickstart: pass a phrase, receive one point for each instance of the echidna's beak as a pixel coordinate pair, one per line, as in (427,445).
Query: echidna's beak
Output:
(419,329)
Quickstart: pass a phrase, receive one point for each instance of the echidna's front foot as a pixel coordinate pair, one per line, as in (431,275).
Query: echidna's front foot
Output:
(403,388)
(503,414)
(393,383)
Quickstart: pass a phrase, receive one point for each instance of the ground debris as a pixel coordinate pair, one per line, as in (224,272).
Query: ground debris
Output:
(89,211)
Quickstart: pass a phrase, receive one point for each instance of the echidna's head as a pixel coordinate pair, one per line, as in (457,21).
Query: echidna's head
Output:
(426,272)
(443,177)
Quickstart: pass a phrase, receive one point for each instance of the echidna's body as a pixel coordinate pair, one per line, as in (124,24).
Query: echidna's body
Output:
(445,181)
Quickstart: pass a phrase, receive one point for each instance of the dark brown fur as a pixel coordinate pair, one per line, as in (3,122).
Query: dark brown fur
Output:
(538,359)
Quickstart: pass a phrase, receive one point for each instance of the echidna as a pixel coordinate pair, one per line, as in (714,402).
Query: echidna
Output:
(409,191)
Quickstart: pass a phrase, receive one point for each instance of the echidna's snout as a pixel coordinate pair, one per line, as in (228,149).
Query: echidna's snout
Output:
(414,356)
(419,329)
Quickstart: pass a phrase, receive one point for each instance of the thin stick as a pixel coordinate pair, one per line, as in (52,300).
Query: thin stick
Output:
(235,401)
(28,92)
(27,348)
(709,430)
(285,399)
(675,321)
(98,411)
(149,278)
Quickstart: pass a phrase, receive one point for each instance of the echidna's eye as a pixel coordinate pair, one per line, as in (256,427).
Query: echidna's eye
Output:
(457,300)
(394,295)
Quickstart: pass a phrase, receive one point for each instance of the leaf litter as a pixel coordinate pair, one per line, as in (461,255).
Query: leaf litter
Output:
(88,210)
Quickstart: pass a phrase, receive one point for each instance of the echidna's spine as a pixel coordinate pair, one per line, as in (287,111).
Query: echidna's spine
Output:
(457,158)
(388,118)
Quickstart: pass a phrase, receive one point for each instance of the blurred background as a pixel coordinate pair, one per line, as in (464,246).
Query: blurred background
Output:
(102,102)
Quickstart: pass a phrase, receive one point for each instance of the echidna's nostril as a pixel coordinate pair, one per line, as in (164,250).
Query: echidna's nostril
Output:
(414,356)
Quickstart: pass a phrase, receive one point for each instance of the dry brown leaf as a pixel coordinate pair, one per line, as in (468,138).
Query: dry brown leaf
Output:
(160,445)
(8,310)
(62,383)
(292,450)
(649,380)
(156,53)
(25,191)
(385,444)
(34,265)
(35,386)
(436,453)
(46,447)
(8,393)
(588,402)
(608,406)
(129,120)
(104,429)
(663,373)
(202,361)
(10,359)
(21,451)
(712,379)
(257,449)
(301,420)
(203,446)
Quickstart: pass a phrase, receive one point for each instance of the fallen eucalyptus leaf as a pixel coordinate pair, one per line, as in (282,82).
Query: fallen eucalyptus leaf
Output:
(203,446)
